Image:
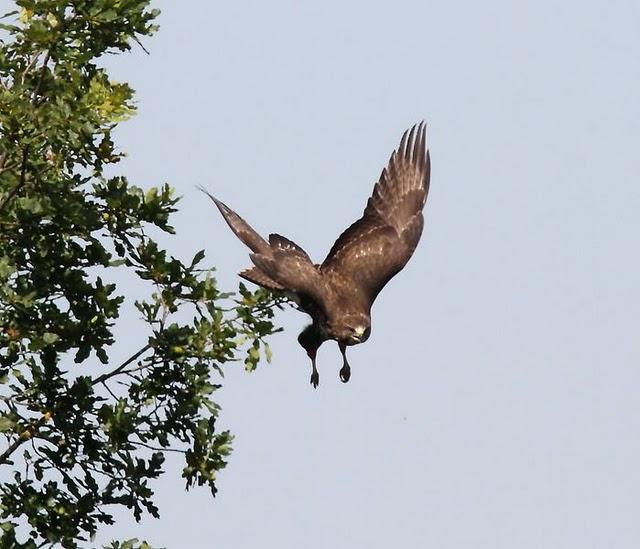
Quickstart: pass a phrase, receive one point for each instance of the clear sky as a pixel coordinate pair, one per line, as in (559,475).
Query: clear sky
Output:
(497,403)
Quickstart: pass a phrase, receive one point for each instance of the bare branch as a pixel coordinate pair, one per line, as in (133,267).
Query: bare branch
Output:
(119,369)
(29,66)
(140,44)
(138,443)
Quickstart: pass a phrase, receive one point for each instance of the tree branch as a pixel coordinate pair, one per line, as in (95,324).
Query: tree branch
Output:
(24,437)
(156,449)
(30,431)
(12,448)
(119,369)
(7,168)
(23,179)
(29,66)
(43,69)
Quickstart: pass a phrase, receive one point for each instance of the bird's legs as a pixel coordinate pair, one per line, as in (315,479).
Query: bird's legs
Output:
(310,338)
(345,371)
(315,376)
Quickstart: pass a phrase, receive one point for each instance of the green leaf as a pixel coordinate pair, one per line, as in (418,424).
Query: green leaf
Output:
(197,258)
(50,337)
(6,424)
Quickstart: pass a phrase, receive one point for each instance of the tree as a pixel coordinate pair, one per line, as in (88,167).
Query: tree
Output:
(79,431)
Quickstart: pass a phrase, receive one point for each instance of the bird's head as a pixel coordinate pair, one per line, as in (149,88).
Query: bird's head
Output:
(350,329)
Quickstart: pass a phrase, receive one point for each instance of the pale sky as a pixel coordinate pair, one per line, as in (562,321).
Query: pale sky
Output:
(496,404)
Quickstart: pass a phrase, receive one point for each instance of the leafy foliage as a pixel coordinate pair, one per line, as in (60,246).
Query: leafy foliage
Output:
(83,431)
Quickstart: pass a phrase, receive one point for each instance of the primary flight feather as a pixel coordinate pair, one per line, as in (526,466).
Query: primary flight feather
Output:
(339,293)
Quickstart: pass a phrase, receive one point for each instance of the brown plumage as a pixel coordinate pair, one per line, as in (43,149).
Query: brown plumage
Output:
(339,293)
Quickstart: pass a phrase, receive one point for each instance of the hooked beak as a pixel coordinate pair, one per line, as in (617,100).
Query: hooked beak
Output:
(357,334)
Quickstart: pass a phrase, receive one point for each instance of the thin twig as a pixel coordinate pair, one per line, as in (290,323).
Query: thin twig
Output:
(12,448)
(110,391)
(23,179)
(139,368)
(7,168)
(24,437)
(137,443)
(140,44)
(43,69)
(108,375)
(29,66)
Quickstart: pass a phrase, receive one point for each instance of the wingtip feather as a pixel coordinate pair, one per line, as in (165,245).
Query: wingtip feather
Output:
(219,204)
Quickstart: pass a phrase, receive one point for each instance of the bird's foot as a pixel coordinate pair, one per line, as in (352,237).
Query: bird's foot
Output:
(345,373)
(315,379)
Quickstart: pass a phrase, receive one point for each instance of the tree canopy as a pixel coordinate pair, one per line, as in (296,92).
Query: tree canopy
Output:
(80,431)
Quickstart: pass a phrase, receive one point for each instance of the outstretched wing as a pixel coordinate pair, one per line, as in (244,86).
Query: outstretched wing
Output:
(239,226)
(377,246)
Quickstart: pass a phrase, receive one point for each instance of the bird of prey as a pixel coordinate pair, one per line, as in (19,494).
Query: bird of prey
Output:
(338,294)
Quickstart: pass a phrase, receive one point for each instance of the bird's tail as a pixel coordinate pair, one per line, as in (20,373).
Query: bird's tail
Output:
(289,265)
(256,276)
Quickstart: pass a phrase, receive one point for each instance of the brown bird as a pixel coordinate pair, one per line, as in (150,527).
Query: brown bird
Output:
(339,293)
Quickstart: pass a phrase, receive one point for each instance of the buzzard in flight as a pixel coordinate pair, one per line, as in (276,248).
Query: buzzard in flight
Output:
(339,293)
